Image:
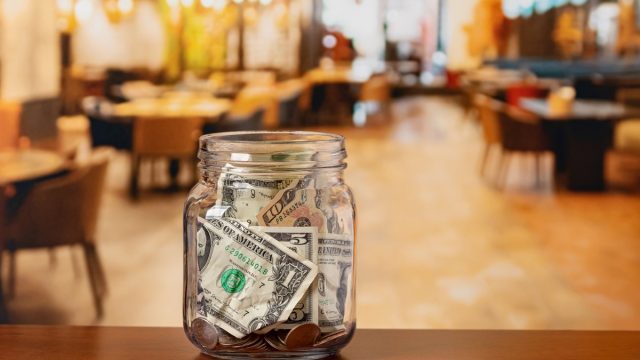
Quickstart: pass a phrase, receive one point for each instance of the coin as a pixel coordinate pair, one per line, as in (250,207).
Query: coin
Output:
(205,333)
(304,335)
(273,341)
(330,339)
(225,339)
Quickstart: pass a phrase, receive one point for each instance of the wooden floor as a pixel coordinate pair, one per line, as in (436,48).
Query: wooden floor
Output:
(438,247)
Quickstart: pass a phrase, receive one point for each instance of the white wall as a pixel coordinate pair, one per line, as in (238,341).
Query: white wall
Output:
(137,41)
(30,50)
(458,14)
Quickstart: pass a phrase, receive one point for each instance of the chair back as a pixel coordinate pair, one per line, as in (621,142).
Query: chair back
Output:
(376,89)
(289,110)
(38,118)
(166,136)
(522,131)
(238,122)
(253,97)
(517,92)
(60,211)
(93,185)
(629,96)
(488,110)
(9,124)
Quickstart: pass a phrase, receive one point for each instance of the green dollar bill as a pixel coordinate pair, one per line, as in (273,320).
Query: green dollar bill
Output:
(248,280)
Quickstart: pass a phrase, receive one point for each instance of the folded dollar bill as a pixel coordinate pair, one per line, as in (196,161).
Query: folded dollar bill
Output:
(304,242)
(248,280)
(294,206)
(335,266)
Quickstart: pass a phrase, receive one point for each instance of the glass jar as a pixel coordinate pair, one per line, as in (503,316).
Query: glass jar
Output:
(269,247)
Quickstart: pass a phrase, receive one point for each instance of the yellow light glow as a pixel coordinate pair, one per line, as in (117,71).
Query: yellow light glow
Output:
(187,3)
(250,16)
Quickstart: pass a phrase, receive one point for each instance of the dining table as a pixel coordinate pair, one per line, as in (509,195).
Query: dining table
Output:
(28,164)
(581,137)
(20,342)
(174,106)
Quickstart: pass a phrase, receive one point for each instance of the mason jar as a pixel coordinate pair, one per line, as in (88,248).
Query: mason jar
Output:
(269,246)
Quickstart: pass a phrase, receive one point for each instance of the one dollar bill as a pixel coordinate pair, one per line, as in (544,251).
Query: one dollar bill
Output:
(304,242)
(249,280)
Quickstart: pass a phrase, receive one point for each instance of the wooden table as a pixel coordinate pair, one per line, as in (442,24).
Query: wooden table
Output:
(173,107)
(23,165)
(582,137)
(86,343)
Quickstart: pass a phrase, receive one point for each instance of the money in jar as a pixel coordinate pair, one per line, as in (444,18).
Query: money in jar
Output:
(269,247)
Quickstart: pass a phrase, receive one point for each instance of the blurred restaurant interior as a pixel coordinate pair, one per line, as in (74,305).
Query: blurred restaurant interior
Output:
(494,150)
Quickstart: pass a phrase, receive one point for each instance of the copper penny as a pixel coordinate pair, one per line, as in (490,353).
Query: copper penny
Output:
(331,338)
(205,333)
(301,336)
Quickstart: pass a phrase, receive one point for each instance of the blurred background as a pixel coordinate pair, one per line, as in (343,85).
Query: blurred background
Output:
(494,150)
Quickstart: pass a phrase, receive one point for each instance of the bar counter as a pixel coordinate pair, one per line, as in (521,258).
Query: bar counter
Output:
(71,343)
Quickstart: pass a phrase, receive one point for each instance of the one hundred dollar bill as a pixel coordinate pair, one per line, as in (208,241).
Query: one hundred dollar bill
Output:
(335,267)
(294,206)
(241,197)
(304,242)
(249,280)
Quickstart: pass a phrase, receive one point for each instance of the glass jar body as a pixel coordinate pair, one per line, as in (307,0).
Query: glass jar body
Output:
(240,300)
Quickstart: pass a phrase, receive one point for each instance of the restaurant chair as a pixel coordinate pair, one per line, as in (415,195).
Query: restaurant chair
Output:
(375,95)
(521,133)
(63,211)
(9,124)
(232,121)
(174,138)
(622,164)
(4,316)
(38,119)
(289,96)
(488,114)
(517,92)
(107,130)
(331,104)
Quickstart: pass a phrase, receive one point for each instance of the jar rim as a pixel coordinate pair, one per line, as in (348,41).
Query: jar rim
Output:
(272,151)
(273,137)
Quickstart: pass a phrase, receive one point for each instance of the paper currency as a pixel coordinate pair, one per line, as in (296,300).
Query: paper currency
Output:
(294,206)
(241,197)
(304,242)
(335,266)
(249,280)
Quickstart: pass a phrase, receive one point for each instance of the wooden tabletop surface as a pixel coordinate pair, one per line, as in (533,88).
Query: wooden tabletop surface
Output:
(21,165)
(70,343)
(581,110)
(173,107)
